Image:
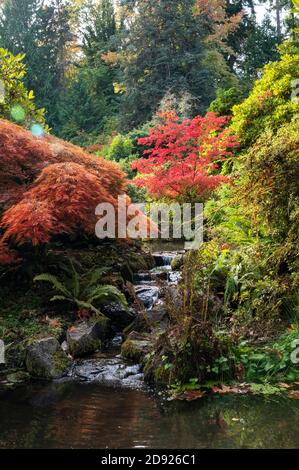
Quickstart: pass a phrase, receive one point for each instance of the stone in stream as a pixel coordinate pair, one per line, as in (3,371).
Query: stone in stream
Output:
(163,259)
(136,347)
(45,359)
(118,315)
(148,295)
(177,262)
(109,371)
(86,337)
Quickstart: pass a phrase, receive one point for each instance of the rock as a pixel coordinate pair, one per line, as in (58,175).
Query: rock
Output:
(135,348)
(126,273)
(177,262)
(148,295)
(109,371)
(148,321)
(18,378)
(118,315)
(45,359)
(163,259)
(158,317)
(64,347)
(86,337)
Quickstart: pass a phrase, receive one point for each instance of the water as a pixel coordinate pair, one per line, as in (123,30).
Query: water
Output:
(107,369)
(76,415)
(103,403)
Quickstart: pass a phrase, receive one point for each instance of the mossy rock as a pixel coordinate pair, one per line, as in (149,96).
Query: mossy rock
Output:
(45,359)
(135,350)
(177,263)
(86,337)
(155,372)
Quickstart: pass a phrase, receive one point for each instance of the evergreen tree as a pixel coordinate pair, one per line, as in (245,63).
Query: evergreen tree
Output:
(91,89)
(40,30)
(163,52)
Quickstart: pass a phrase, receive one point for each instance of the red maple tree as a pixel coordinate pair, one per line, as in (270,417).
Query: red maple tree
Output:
(183,157)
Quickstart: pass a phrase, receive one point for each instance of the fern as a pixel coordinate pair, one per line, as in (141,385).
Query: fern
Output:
(54,281)
(83,290)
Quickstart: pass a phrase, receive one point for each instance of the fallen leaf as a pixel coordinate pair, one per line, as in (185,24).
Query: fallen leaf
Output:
(190,395)
(283,385)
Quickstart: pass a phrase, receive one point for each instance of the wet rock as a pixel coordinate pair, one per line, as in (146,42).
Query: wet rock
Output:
(158,317)
(118,315)
(45,359)
(163,259)
(148,295)
(18,378)
(86,337)
(110,371)
(136,347)
(64,346)
(14,379)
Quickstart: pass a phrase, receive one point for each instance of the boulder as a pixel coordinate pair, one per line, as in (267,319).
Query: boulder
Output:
(118,315)
(45,359)
(148,295)
(136,347)
(86,337)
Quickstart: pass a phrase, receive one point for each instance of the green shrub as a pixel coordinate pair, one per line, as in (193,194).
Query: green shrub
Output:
(269,104)
(17,103)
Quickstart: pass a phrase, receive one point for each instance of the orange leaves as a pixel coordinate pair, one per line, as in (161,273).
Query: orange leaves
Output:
(7,256)
(49,187)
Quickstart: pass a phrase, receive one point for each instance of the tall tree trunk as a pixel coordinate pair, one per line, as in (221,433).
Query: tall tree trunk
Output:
(278,9)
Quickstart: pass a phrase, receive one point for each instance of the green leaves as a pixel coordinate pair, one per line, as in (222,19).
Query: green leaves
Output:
(12,74)
(83,290)
(54,281)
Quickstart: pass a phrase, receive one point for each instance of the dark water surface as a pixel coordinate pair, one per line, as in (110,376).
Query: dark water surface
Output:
(74,415)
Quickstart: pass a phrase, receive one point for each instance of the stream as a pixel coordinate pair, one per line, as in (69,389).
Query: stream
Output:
(104,403)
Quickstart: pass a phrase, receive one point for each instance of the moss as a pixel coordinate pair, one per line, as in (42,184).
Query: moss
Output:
(135,350)
(177,263)
(61,361)
(155,373)
(103,326)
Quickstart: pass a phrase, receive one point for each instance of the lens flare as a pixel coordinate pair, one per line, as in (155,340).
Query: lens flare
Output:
(37,130)
(17,113)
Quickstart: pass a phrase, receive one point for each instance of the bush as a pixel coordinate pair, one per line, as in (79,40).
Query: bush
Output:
(269,104)
(120,148)
(225,100)
(12,72)
(49,187)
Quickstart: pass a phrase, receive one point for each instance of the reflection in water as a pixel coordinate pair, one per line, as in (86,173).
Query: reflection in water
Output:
(66,415)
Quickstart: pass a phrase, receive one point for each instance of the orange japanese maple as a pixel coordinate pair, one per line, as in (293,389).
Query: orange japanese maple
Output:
(49,187)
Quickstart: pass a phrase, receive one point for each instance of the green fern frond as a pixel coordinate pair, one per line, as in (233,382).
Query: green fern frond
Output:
(60,297)
(107,292)
(87,305)
(54,281)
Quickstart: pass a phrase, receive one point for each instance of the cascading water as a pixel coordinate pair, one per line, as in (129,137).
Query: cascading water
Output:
(109,368)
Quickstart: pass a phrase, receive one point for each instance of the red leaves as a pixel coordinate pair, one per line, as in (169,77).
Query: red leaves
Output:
(183,157)
(49,187)
(7,256)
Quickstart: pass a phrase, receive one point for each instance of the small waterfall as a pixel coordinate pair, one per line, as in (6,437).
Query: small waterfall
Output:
(163,259)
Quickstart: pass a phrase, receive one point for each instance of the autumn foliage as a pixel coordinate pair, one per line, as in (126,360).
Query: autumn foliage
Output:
(49,187)
(183,157)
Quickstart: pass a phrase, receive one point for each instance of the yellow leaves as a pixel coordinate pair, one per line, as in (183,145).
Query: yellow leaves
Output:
(119,88)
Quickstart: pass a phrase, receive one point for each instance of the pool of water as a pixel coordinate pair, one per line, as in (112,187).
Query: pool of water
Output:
(76,415)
